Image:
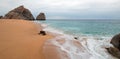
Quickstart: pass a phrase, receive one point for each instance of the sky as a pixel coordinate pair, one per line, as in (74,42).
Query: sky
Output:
(67,9)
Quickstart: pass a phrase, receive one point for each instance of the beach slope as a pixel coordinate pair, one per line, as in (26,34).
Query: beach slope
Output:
(19,39)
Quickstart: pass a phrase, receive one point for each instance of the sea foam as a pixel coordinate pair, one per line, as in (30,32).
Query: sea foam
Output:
(85,47)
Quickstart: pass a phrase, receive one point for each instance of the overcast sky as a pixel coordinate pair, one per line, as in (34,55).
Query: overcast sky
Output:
(67,9)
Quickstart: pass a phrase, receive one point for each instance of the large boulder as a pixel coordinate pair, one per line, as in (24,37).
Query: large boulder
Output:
(114,52)
(115,41)
(19,13)
(41,16)
(1,17)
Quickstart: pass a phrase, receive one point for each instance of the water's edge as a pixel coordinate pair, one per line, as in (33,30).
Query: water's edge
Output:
(66,47)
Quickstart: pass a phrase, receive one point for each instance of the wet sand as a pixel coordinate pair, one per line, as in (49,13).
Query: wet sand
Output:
(19,39)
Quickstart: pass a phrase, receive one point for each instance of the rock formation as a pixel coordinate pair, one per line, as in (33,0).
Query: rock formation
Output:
(116,41)
(41,16)
(42,33)
(115,51)
(1,17)
(19,13)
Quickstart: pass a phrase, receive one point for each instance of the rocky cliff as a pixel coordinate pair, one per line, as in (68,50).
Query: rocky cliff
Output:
(19,13)
(41,16)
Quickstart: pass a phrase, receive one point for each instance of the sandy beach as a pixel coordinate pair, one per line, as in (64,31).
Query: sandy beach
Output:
(19,39)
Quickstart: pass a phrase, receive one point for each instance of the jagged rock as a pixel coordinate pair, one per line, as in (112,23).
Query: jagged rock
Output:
(41,16)
(1,17)
(19,13)
(114,52)
(116,41)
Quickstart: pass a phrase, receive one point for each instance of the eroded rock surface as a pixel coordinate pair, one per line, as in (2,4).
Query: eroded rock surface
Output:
(41,16)
(115,50)
(19,13)
(115,41)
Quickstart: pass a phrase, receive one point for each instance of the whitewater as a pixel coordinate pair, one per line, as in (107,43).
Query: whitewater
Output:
(84,48)
(65,45)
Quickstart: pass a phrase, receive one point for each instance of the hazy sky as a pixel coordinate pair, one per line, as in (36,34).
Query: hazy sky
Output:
(67,9)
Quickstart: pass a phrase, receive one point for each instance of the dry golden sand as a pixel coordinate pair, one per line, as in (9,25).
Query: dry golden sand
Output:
(19,39)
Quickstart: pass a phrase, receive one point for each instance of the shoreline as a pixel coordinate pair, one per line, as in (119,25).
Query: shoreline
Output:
(58,32)
(65,46)
(20,39)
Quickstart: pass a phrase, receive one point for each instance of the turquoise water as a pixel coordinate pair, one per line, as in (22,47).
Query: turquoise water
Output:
(93,35)
(86,27)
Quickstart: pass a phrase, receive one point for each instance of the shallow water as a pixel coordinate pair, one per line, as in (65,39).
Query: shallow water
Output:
(93,36)
(66,47)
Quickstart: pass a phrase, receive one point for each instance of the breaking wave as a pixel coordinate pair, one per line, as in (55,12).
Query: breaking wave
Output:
(65,46)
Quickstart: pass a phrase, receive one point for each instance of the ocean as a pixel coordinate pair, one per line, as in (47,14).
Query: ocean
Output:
(86,27)
(96,33)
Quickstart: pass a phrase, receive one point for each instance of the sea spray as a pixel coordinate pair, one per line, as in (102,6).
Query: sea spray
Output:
(67,47)
(89,47)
